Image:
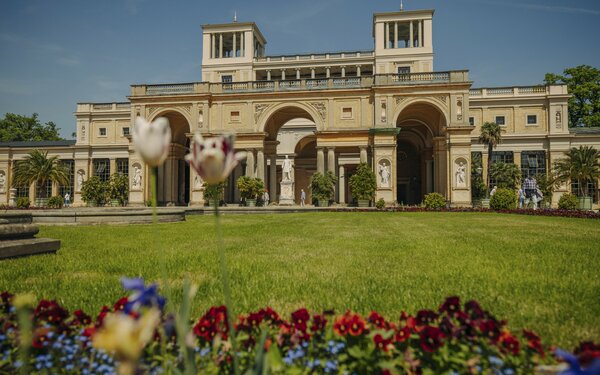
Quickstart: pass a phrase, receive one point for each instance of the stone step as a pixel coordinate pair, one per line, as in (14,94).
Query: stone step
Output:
(30,246)
(16,231)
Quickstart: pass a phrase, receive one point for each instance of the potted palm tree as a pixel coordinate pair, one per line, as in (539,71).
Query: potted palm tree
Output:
(39,168)
(119,189)
(491,135)
(322,187)
(250,188)
(580,165)
(363,184)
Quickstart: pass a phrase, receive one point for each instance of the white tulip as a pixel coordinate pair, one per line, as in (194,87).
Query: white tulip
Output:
(214,158)
(152,140)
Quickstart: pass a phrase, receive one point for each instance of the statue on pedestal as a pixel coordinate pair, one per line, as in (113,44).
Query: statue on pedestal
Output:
(287,183)
(287,169)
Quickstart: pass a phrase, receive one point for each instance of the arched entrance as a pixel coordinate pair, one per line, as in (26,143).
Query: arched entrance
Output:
(290,131)
(420,161)
(173,182)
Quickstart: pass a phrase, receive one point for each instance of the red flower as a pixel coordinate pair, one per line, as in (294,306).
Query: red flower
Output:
(474,310)
(431,339)
(270,315)
(119,306)
(377,320)
(411,322)
(381,343)
(81,319)
(254,319)
(300,318)
(490,329)
(426,317)
(5,301)
(51,312)
(341,326)
(205,329)
(508,343)
(318,323)
(587,352)
(450,306)
(40,338)
(402,334)
(533,342)
(356,325)
(100,318)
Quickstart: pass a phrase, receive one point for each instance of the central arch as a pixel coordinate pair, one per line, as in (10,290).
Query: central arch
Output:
(173,182)
(419,165)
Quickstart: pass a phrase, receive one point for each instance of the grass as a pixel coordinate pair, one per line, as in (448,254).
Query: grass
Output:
(539,273)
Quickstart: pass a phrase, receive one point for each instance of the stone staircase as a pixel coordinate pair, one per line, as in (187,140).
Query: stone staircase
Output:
(17,237)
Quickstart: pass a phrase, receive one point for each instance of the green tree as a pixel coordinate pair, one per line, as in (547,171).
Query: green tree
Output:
(506,175)
(580,165)
(363,183)
(583,83)
(491,135)
(22,128)
(38,167)
(478,187)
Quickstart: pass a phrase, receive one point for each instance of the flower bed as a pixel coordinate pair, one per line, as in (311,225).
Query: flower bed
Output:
(136,336)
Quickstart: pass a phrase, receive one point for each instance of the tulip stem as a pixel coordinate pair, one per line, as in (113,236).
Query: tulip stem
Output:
(226,290)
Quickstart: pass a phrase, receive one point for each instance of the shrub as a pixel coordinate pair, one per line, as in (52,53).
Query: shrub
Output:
(503,199)
(250,187)
(568,201)
(56,202)
(118,187)
(434,201)
(95,191)
(363,183)
(380,203)
(507,175)
(322,185)
(213,191)
(23,202)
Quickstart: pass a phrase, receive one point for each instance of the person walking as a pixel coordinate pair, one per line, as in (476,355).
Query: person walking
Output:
(530,187)
(521,197)
(67,199)
(266,197)
(302,197)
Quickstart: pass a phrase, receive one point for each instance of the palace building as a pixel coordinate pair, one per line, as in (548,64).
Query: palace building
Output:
(417,127)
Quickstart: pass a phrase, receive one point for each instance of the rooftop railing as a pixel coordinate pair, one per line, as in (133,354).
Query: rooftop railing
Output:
(496,92)
(315,56)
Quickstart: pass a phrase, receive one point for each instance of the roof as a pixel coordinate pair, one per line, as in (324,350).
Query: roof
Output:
(585,130)
(29,144)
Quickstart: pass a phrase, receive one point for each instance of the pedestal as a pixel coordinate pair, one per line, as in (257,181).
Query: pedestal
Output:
(287,193)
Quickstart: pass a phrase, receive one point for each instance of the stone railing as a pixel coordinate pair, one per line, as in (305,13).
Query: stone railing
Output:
(458,76)
(495,92)
(110,106)
(180,88)
(315,56)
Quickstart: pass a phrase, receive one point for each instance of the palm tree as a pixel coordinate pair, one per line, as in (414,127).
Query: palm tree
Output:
(38,168)
(506,175)
(491,135)
(581,165)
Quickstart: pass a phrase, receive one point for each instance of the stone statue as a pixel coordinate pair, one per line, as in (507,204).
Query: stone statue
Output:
(197,182)
(384,172)
(137,177)
(461,174)
(2,181)
(80,174)
(287,169)
(558,117)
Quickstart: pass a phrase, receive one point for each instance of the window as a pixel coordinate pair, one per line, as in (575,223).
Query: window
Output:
(533,163)
(102,169)
(404,70)
(506,157)
(347,113)
(227,79)
(123,167)
(22,190)
(235,116)
(592,190)
(102,132)
(70,166)
(531,120)
(126,131)
(500,120)
(472,121)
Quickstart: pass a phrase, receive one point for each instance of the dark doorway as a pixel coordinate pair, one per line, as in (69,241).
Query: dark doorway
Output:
(408,183)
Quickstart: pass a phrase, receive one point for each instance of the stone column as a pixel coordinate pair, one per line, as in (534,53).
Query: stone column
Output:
(328,72)
(429,173)
(410,41)
(250,163)
(273,178)
(363,154)
(342,184)
(331,167)
(268,75)
(343,71)
(358,70)
(113,166)
(283,74)
(260,164)
(297,73)
(320,160)
(312,73)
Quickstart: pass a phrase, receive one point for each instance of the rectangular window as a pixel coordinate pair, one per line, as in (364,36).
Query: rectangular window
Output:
(102,169)
(500,120)
(531,120)
(506,157)
(235,116)
(70,166)
(472,121)
(592,190)
(227,79)
(123,167)
(347,113)
(102,132)
(22,190)
(533,163)
(126,131)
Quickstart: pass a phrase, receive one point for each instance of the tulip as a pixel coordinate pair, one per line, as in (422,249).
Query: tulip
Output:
(152,140)
(214,158)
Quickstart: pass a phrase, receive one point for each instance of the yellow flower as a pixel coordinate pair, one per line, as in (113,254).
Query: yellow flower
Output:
(124,336)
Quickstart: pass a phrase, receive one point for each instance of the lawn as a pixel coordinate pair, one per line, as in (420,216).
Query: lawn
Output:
(538,272)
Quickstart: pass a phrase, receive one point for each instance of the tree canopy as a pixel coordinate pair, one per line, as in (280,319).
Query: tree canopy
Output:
(583,83)
(15,127)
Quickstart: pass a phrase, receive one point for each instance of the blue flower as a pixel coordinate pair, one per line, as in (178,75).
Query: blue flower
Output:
(143,296)
(575,367)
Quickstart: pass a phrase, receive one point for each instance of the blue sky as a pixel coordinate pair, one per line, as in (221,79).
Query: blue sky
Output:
(54,54)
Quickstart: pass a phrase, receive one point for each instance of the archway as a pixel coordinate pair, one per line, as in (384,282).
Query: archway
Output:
(420,167)
(173,182)
(290,131)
